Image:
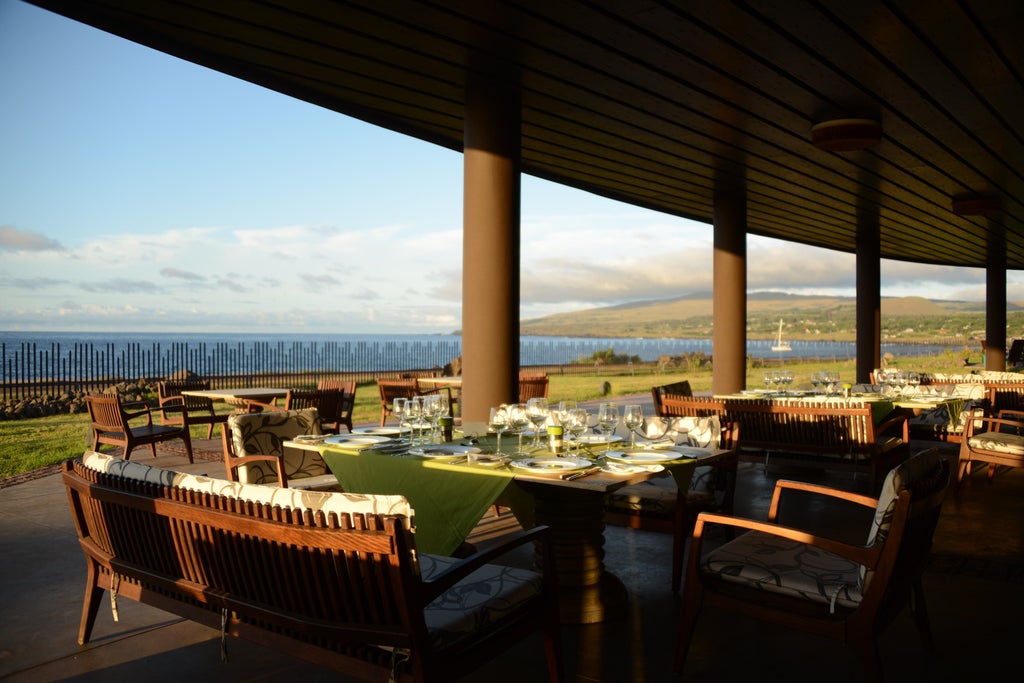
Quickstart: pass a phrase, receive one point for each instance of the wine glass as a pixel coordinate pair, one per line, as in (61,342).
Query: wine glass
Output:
(519,420)
(413,415)
(564,408)
(632,418)
(432,413)
(537,409)
(498,422)
(608,420)
(578,422)
(767,377)
(398,410)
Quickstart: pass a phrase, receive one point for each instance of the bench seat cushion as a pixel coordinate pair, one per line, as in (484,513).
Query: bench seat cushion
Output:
(327,501)
(483,598)
(998,442)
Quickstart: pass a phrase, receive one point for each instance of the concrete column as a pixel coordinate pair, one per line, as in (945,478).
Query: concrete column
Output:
(869,300)
(995,299)
(729,340)
(490,256)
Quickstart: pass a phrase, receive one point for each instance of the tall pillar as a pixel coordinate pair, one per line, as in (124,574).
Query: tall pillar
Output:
(490,255)
(869,299)
(995,299)
(729,339)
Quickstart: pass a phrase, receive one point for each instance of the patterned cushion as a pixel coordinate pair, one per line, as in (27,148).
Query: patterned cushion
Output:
(338,503)
(654,497)
(265,433)
(766,562)
(999,442)
(473,604)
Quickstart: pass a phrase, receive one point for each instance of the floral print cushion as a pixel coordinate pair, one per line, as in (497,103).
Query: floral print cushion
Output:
(265,433)
(478,601)
(998,442)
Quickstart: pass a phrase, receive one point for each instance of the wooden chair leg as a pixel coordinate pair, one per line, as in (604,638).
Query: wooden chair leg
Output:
(91,604)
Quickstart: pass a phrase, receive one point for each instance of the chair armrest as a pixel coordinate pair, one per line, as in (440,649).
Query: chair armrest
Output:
(282,476)
(131,414)
(259,407)
(1008,414)
(455,573)
(991,424)
(865,555)
(817,489)
(901,421)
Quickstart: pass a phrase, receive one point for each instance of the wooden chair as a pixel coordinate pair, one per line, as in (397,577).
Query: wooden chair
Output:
(347,406)
(198,410)
(532,386)
(681,388)
(798,579)
(995,440)
(110,421)
(254,451)
(390,389)
(328,403)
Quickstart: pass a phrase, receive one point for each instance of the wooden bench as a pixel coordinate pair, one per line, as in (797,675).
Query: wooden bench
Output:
(834,434)
(332,578)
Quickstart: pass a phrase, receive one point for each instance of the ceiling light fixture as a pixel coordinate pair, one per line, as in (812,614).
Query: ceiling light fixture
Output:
(975,205)
(846,135)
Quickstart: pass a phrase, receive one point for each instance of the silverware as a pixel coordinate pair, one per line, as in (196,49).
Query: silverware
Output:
(577,475)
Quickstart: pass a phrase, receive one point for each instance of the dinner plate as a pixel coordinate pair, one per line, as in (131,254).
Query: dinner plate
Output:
(381,431)
(443,450)
(356,439)
(643,457)
(310,438)
(628,468)
(553,466)
(596,438)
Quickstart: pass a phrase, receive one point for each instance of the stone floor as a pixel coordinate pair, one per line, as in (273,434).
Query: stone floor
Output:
(975,589)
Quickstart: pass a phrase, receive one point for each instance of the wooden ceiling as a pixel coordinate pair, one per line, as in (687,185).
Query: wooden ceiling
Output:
(657,103)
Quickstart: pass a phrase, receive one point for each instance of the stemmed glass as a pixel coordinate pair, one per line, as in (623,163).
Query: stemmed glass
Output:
(413,415)
(633,417)
(564,408)
(519,419)
(498,422)
(398,410)
(537,409)
(578,422)
(767,377)
(432,407)
(608,420)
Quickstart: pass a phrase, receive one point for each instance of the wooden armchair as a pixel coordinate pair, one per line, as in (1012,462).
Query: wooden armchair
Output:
(345,408)
(254,451)
(390,389)
(658,393)
(110,421)
(798,579)
(533,386)
(994,440)
(198,410)
(328,404)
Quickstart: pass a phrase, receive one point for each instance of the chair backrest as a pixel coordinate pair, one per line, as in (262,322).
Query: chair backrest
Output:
(174,387)
(925,477)
(105,412)
(264,433)
(390,389)
(346,386)
(348,401)
(327,402)
(532,386)
(658,393)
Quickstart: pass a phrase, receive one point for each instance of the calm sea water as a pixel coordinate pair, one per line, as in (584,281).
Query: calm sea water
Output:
(371,352)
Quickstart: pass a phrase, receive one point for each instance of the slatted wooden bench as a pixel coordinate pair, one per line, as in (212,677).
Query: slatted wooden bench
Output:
(333,578)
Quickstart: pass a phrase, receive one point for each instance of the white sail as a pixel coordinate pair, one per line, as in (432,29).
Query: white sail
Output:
(780,345)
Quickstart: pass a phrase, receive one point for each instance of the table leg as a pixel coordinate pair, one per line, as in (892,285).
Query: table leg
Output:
(587,593)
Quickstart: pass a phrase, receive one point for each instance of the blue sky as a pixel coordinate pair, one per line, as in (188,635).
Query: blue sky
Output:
(139,192)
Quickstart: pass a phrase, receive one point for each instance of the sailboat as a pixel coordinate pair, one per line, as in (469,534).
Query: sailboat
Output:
(780,345)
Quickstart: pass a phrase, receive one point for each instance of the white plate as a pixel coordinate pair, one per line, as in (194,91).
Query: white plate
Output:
(310,438)
(380,431)
(596,438)
(643,457)
(626,468)
(356,439)
(555,466)
(443,450)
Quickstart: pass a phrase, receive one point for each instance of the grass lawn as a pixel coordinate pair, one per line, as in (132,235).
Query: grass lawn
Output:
(26,445)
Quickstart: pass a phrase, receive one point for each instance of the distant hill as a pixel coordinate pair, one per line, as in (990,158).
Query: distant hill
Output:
(909,318)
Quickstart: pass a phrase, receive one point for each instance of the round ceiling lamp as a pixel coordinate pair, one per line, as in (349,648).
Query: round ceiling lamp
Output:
(846,135)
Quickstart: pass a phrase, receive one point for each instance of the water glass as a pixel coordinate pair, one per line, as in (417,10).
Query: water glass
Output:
(498,423)
(632,418)
(537,409)
(608,420)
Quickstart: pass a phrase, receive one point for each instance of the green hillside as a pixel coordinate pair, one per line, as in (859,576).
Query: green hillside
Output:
(804,317)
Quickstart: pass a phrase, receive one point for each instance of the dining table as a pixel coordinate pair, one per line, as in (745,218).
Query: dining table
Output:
(449,496)
(239,397)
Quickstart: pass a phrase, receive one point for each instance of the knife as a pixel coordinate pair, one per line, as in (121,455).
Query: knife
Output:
(577,475)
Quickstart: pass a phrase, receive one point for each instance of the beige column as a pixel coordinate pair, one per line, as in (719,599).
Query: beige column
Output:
(995,299)
(490,256)
(729,339)
(869,299)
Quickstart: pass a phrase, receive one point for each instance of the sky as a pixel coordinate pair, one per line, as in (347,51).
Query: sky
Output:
(143,193)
